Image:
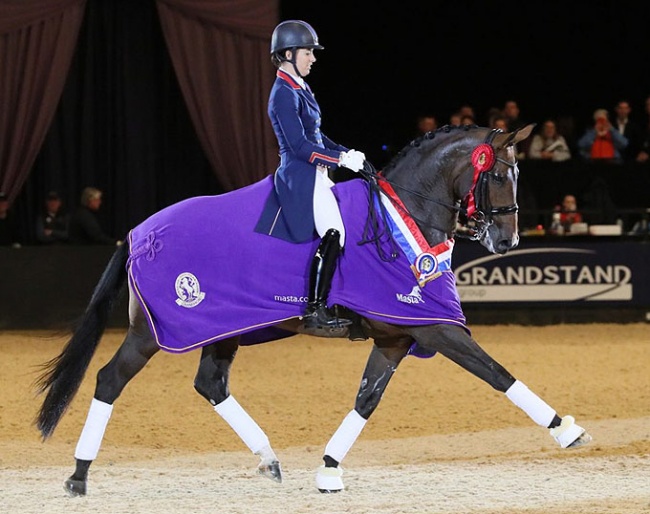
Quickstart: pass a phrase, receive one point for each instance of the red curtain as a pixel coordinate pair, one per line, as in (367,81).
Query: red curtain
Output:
(37,41)
(220,53)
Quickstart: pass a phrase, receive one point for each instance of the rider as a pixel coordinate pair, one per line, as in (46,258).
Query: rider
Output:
(306,155)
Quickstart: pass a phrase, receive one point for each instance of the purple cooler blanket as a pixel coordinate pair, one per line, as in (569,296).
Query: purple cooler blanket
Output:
(201,272)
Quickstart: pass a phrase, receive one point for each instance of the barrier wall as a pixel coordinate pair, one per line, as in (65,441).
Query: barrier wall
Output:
(545,280)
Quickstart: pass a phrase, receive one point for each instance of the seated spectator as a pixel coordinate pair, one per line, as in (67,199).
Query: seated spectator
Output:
(569,212)
(9,235)
(549,144)
(426,123)
(602,143)
(498,121)
(84,227)
(52,223)
(455,119)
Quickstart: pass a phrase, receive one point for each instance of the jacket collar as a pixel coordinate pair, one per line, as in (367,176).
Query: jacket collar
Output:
(281,74)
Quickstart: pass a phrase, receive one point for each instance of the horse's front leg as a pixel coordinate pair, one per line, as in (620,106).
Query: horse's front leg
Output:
(211,382)
(456,344)
(382,363)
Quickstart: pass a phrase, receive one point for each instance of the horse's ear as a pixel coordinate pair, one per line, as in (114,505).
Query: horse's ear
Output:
(512,138)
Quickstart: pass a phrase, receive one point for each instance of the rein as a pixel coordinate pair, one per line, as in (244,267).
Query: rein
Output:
(475,205)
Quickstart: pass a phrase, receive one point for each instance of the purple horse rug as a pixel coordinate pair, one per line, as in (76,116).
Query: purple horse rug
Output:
(201,273)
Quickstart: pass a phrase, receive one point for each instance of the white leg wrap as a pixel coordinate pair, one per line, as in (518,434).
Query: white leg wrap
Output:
(345,436)
(538,410)
(243,425)
(93,431)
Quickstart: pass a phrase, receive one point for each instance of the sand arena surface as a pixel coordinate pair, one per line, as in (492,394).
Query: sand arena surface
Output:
(441,440)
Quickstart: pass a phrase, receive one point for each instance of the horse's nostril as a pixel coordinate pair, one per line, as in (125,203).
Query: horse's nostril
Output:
(505,244)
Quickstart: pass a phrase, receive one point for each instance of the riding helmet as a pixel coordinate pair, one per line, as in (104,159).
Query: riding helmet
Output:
(294,34)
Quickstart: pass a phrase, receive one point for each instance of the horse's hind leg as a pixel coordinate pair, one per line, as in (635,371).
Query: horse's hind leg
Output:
(382,363)
(211,382)
(456,344)
(136,350)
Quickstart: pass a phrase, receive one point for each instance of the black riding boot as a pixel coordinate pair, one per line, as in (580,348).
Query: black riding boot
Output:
(322,270)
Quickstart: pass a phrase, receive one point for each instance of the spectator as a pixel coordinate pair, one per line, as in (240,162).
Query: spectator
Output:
(602,142)
(84,227)
(643,154)
(466,119)
(455,119)
(426,123)
(511,113)
(9,235)
(549,144)
(467,110)
(52,224)
(498,121)
(628,128)
(569,212)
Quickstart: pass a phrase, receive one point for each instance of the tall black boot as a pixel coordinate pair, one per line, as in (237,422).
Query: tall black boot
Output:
(322,270)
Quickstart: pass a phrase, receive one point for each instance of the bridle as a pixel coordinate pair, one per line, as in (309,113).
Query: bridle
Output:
(475,207)
(476,204)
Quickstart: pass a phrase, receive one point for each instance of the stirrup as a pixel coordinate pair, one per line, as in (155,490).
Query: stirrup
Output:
(319,316)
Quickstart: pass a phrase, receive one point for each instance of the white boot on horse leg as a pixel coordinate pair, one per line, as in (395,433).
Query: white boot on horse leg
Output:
(569,434)
(329,478)
(252,436)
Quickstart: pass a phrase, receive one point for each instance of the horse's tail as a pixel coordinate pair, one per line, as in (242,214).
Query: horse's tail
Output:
(63,374)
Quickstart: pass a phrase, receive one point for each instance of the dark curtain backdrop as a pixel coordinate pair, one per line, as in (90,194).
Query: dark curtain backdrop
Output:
(124,125)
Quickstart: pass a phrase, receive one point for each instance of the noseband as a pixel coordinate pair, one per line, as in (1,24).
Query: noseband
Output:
(476,204)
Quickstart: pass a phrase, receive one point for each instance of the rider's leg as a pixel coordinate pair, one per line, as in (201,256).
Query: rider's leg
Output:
(329,226)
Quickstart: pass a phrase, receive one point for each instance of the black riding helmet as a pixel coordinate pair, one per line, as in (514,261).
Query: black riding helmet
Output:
(291,35)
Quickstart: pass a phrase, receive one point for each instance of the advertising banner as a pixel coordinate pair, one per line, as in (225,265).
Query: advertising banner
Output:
(615,272)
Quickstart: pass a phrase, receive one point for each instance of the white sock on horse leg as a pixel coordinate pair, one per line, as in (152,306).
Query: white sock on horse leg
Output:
(345,436)
(93,431)
(244,426)
(538,410)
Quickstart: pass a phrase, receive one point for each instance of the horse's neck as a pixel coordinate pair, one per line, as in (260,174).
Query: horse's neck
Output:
(431,208)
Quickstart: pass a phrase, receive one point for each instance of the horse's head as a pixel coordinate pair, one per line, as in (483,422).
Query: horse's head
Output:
(490,201)
(461,172)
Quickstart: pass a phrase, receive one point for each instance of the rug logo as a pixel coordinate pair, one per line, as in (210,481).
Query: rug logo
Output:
(415,296)
(188,291)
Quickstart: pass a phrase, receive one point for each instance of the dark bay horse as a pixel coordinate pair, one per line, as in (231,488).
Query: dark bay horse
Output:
(457,181)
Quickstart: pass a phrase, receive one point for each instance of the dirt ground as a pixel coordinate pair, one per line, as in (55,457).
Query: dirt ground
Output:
(441,440)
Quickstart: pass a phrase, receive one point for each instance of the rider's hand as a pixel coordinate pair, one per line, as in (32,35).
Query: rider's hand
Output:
(352,160)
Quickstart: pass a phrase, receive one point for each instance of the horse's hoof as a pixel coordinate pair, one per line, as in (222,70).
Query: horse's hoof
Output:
(271,470)
(585,438)
(569,434)
(75,487)
(328,480)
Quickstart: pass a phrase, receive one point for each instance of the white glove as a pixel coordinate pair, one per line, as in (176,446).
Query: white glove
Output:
(352,160)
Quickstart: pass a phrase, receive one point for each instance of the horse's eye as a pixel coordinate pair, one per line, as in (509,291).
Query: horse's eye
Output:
(499,179)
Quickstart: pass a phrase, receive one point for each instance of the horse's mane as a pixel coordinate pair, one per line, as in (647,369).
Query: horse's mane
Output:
(376,224)
(424,139)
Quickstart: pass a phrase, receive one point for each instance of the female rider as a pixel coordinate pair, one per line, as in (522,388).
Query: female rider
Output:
(301,180)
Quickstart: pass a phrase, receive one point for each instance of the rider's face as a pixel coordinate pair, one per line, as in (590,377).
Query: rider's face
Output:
(304,59)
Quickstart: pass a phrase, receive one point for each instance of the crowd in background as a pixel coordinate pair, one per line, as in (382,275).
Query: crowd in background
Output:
(617,135)
(55,226)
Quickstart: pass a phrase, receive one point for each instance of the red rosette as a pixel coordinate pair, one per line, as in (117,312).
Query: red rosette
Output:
(483,157)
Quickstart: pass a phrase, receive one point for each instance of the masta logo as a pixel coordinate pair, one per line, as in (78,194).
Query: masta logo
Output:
(188,290)
(415,296)
(543,275)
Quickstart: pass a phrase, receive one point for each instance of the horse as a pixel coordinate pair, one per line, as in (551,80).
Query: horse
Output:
(459,181)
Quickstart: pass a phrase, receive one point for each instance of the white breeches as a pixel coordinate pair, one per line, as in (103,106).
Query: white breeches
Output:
(326,209)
